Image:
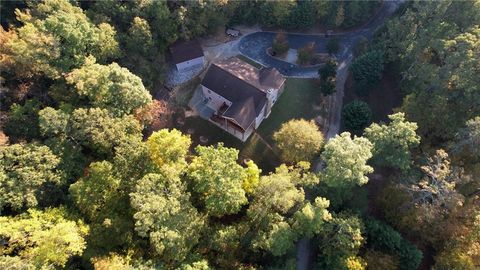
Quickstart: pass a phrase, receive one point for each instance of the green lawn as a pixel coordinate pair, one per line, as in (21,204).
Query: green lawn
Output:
(297,101)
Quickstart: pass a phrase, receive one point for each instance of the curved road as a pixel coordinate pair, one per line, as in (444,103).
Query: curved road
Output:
(255,46)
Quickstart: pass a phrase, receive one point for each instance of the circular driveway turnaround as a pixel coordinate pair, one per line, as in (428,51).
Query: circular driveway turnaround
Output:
(255,45)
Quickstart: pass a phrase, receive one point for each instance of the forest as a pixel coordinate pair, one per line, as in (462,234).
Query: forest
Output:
(90,180)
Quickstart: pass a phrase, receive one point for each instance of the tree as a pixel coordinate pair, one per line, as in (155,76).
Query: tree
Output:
(346,160)
(298,140)
(280,44)
(367,70)
(306,53)
(333,45)
(168,148)
(384,238)
(392,143)
(97,130)
(269,214)
(439,79)
(328,86)
(340,241)
(53,122)
(309,220)
(22,122)
(356,115)
(328,70)
(434,194)
(42,239)
(253,177)
(217,179)
(109,87)
(328,77)
(139,33)
(24,169)
(57,37)
(164,214)
(91,192)
(467,140)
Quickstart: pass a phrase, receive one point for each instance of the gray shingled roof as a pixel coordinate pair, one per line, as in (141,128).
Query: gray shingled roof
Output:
(184,51)
(238,92)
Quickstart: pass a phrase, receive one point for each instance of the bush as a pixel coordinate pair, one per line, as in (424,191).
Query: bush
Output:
(356,116)
(280,44)
(384,238)
(306,53)
(333,45)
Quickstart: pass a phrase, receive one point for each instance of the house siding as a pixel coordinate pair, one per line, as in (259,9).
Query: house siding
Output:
(191,63)
(215,101)
(260,117)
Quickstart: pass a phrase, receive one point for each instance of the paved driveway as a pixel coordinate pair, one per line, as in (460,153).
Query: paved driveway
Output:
(255,46)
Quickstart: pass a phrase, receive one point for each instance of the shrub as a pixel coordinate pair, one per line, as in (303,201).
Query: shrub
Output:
(306,53)
(356,116)
(333,45)
(280,44)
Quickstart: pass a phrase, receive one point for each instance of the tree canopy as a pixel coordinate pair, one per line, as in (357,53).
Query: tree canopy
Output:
(299,140)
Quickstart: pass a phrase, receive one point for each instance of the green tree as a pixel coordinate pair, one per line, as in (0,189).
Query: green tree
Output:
(56,37)
(164,214)
(139,37)
(97,130)
(340,240)
(367,70)
(218,179)
(306,53)
(392,143)
(346,160)
(333,45)
(53,122)
(467,140)
(298,140)
(42,239)
(22,122)
(280,44)
(91,192)
(168,148)
(356,116)
(109,87)
(309,220)
(277,197)
(24,169)
(328,70)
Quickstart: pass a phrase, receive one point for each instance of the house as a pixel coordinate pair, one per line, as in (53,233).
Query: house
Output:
(187,55)
(239,95)
(232,32)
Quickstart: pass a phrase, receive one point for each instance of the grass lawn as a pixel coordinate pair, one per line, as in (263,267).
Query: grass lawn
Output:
(297,101)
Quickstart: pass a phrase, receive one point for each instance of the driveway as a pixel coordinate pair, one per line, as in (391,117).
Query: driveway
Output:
(255,45)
